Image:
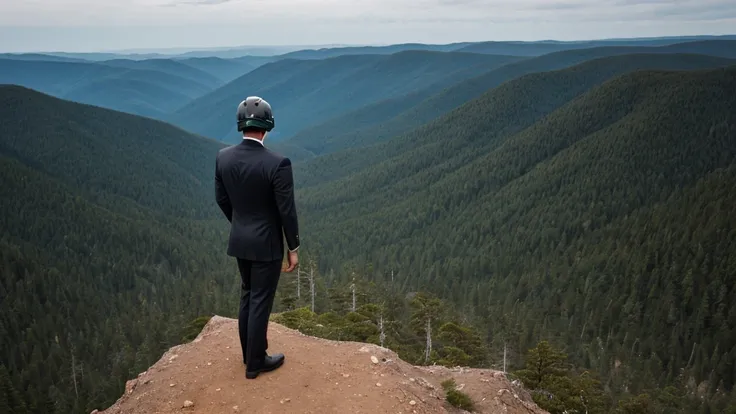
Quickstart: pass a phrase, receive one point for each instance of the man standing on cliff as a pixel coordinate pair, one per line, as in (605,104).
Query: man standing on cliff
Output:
(255,190)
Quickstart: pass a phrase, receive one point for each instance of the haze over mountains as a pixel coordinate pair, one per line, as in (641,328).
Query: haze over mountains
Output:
(412,110)
(576,192)
(308,91)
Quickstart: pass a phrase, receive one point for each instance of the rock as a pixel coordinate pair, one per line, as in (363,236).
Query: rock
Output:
(235,408)
(171,385)
(94,411)
(374,359)
(218,389)
(209,363)
(173,358)
(412,402)
(425,383)
(345,375)
(188,404)
(130,386)
(378,384)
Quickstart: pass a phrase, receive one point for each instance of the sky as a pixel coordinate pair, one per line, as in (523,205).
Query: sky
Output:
(108,25)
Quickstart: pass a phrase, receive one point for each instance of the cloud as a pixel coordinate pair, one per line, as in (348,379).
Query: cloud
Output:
(166,12)
(66,24)
(198,2)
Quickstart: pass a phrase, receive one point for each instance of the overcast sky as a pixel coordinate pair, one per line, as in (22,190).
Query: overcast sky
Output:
(94,25)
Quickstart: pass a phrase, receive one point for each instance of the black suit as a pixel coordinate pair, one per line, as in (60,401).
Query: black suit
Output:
(254,188)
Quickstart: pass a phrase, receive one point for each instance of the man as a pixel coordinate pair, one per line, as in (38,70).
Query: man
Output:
(255,190)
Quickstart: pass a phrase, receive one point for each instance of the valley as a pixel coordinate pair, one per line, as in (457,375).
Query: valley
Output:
(513,194)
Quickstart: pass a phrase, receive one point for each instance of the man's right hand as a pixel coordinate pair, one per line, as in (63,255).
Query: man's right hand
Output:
(293,261)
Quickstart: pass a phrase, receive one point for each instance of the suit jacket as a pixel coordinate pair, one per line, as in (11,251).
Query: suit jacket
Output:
(254,188)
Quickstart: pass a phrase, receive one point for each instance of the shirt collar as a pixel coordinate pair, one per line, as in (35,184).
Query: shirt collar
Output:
(253,139)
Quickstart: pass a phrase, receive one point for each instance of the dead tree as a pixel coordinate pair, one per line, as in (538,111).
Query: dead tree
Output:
(298,282)
(311,283)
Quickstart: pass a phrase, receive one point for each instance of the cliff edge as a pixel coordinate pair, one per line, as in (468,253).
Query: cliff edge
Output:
(319,376)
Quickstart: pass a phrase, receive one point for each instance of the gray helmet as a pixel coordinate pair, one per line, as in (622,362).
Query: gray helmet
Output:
(255,112)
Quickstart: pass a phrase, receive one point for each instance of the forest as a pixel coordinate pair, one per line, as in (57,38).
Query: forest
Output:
(602,224)
(576,218)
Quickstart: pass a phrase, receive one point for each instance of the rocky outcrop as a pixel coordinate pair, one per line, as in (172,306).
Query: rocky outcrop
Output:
(319,376)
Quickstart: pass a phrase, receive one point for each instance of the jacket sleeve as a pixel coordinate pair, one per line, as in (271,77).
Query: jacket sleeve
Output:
(283,189)
(223,200)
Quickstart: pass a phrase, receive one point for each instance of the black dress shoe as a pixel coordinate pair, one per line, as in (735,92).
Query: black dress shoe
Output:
(246,364)
(269,363)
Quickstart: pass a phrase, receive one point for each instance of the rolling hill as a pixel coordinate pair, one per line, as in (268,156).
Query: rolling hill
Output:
(546,47)
(177,68)
(599,220)
(325,53)
(361,128)
(38,56)
(226,70)
(73,143)
(513,48)
(103,259)
(142,91)
(302,92)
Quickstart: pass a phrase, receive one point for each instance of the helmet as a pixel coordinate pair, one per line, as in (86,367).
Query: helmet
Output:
(255,112)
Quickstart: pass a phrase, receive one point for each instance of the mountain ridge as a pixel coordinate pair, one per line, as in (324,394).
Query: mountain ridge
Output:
(579,78)
(303,91)
(411,114)
(158,148)
(153,92)
(525,210)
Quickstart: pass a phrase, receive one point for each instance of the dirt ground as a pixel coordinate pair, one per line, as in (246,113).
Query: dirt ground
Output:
(318,376)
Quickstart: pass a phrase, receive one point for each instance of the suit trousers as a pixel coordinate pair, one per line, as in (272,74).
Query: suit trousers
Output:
(259,281)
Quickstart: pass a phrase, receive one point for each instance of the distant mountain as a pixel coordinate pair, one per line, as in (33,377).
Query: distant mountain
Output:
(601,220)
(371,50)
(546,89)
(367,125)
(514,48)
(173,67)
(185,53)
(141,91)
(226,70)
(545,47)
(105,254)
(305,92)
(38,56)
(101,56)
(243,51)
